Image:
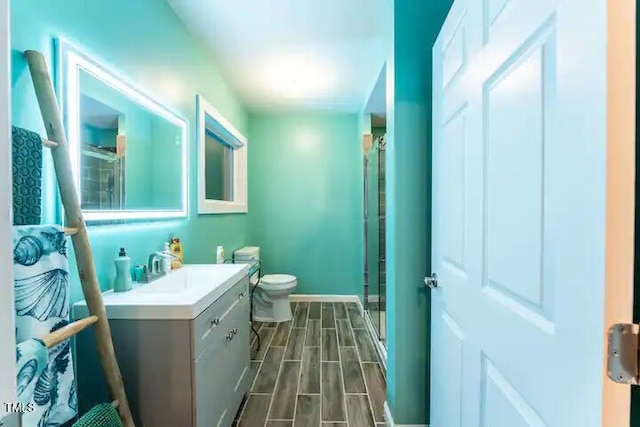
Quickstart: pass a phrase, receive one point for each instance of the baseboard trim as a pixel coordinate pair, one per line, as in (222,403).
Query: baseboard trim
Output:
(380,348)
(324,298)
(388,419)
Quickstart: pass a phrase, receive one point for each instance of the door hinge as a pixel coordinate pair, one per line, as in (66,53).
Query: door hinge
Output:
(622,354)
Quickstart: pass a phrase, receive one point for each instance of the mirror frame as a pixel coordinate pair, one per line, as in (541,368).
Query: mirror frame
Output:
(239,143)
(70,61)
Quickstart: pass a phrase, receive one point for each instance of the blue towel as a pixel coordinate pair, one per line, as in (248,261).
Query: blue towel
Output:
(41,289)
(27,176)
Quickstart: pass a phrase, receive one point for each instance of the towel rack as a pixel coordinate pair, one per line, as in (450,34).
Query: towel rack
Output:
(66,332)
(57,142)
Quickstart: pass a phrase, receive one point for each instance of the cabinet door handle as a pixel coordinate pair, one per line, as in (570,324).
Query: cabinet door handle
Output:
(215,322)
(241,295)
(235,331)
(230,335)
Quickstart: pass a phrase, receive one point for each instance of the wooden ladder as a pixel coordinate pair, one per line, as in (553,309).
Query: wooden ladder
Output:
(57,142)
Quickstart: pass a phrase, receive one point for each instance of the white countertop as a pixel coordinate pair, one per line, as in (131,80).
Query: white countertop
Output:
(182,294)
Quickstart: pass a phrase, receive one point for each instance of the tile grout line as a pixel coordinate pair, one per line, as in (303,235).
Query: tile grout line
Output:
(295,403)
(260,362)
(344,389)
(275,386)
(267,346)
(364,379)
(244,405)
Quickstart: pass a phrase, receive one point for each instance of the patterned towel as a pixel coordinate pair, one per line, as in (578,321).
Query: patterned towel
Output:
(41,291)
(32,357)
(27,177)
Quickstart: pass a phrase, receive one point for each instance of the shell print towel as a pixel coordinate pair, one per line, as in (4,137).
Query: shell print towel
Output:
(41,291)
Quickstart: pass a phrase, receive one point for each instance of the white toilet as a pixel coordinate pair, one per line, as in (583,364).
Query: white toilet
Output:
(271,296)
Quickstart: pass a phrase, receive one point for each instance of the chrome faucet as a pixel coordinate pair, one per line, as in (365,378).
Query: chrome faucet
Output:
(154,262)
(153,270)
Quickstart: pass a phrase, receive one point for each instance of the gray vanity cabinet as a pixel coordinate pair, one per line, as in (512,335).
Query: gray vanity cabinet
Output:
(177,372)
(221,369)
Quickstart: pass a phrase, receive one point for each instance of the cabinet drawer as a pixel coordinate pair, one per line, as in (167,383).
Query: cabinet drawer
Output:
(208,324)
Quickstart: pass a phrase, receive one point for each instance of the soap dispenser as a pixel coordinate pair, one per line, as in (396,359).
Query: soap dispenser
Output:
(122,282)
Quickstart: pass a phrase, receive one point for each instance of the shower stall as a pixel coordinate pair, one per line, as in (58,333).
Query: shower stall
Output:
(374,232)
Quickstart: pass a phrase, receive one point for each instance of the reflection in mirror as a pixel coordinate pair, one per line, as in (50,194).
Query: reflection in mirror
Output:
(222,158)
(218,167)
(129,153)
(102,158)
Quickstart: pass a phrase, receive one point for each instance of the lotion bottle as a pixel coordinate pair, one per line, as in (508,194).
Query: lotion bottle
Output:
(220,255)
(176,249)
(122,282)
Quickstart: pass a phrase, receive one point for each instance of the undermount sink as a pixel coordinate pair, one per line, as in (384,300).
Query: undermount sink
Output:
(182,294)
(188,278)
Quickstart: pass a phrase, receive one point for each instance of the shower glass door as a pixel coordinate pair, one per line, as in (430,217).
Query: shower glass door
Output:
(376,227)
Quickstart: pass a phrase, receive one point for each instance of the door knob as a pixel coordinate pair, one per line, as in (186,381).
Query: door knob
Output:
(431,282)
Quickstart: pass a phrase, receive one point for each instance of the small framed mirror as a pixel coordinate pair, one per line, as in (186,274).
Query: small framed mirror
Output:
(222,163)
(128,152)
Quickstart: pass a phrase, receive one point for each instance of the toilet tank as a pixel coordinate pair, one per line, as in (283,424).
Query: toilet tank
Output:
(248,253)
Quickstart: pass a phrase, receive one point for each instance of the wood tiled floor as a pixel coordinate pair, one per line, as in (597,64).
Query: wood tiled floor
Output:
(319,368)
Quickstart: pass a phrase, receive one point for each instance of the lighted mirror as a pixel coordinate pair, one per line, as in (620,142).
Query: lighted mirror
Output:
(128,152)
(222,163)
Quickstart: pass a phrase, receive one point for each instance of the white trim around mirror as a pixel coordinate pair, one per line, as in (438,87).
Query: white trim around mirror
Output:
(70,61)
(239,203)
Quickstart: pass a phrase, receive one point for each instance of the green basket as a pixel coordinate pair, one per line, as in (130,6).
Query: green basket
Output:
(103,415)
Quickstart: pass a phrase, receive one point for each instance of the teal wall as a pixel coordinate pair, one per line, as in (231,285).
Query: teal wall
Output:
(145,42)
(98,136)
(414,26)
(305,199)
(166,170)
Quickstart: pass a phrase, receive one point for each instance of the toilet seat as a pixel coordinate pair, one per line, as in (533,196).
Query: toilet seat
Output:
(276,281)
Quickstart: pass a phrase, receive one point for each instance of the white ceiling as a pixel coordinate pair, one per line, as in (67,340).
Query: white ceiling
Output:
(293,54)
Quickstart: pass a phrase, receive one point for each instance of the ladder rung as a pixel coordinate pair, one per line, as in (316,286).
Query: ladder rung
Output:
(66,332)
(70,231)
(49,144)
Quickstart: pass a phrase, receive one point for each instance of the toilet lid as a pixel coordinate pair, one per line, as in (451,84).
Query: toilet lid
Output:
(277,279)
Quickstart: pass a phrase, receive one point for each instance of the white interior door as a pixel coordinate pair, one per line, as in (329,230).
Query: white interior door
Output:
(533,192)
(7,330)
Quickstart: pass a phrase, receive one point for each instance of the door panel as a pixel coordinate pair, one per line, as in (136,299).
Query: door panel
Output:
(520,197)
(7,328)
